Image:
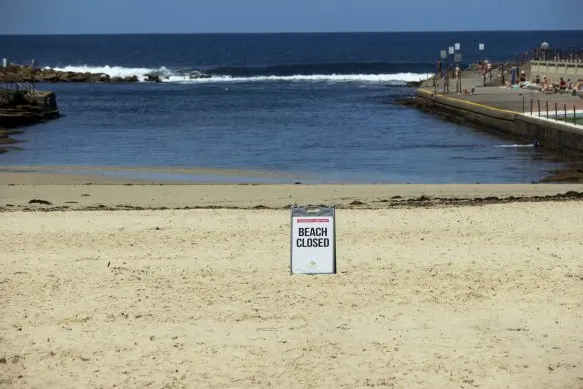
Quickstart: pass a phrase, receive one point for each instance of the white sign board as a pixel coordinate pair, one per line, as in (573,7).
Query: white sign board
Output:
(458,47)
(313,240)
(481,46)
(4,62)
(443,54)
(451,51)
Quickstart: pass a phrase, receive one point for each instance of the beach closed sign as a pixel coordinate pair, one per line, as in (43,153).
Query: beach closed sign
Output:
(313,240)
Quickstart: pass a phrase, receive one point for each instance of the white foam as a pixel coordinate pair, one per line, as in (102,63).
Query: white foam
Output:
(383,78)
(514,146)
(168,76)
(113,71)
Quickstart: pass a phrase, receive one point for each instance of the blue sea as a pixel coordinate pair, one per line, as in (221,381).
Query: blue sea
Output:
(318,107)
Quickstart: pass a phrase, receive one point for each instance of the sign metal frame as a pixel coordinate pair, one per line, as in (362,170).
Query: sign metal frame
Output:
(313,212)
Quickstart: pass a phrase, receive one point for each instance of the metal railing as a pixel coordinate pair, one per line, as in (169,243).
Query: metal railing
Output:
(559,111)
(568,55)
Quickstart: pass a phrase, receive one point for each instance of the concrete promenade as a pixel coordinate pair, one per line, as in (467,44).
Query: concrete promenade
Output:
(516,100)
(508,111)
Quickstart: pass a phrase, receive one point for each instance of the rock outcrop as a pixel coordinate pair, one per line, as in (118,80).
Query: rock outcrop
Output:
(19,74)
(5,139)
(22,108)
(197,75)
(153,78)
(25,74)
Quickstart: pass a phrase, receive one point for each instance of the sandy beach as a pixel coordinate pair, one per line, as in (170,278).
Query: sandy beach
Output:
(427,295)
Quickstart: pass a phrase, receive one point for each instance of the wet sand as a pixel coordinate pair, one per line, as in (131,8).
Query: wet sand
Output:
(29,188)
(113,196)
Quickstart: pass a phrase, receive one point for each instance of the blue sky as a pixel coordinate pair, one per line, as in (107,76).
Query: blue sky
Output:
(210,16)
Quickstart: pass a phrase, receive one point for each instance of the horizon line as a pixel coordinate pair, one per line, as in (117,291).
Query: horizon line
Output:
(289,32)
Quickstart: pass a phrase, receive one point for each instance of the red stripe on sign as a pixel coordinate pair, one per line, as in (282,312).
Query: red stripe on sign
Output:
(313,220)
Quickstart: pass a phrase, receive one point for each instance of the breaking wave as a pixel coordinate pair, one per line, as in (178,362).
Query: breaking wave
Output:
(391,73)
(113,71)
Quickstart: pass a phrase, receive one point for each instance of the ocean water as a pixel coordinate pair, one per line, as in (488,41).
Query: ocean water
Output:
(318,107)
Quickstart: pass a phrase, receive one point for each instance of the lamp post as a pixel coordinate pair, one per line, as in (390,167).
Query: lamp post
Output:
(544,47)
(4,69)
(458,60)
(451,51)
(443,56)
(481,47)
(32,66)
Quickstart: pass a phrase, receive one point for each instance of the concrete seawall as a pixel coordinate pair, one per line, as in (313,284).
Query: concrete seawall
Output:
(555,70)
(559,137)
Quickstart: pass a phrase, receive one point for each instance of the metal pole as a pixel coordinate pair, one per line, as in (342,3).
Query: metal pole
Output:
(461,71)
(523,104)
(458,78)
(446,76)
(530,107)
(556,113)
(538,103)
(547,104)
(566,115)
(33,74)
(517,66)
(435,79)
(481,47)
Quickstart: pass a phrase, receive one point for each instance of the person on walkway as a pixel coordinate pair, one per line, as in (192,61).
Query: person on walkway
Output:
(545,85)
(458,76)
(537,80)
(513,76)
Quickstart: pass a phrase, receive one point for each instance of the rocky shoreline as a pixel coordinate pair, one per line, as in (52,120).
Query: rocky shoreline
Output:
(20,74)
(14,73)
(20,108)
(5,138)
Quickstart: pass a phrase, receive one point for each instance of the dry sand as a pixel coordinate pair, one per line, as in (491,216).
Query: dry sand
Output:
(440,297)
